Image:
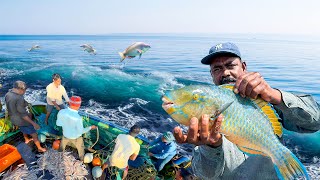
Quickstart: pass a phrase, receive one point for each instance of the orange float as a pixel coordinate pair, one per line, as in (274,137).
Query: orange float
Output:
(96,161)
(56,144)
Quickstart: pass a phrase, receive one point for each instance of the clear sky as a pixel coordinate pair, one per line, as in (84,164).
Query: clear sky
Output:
(159,16)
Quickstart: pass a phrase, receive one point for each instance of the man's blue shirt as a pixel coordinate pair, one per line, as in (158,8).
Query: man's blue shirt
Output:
(161,150)
(71,122)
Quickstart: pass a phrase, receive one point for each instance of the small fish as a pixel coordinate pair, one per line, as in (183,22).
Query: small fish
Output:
(89,49)
(137,48)
(250,124)
(34,48)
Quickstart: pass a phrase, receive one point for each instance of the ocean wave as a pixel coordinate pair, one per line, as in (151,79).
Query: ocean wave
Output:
(5,73)
(129,113)
(168,81)
(35,95)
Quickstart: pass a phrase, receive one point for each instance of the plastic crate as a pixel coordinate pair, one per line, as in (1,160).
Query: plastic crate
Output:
(8,155)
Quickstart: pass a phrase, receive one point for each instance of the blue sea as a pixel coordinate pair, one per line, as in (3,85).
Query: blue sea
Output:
(129,93)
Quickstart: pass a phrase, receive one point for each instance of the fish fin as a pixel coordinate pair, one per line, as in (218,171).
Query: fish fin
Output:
(289,166)
(249,151)
(271,114)
(227,86)
(140,55)
(139,51)
(122,56)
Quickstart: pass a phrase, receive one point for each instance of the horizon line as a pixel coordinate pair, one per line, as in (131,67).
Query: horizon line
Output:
(161,33)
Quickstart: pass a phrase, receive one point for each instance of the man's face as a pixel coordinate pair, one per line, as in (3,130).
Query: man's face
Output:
(57,81)
(22,91)
(135,134)
(226,70)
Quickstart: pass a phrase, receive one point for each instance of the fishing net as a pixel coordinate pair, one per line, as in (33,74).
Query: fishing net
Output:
(101,142)
(146,171)
(7,129)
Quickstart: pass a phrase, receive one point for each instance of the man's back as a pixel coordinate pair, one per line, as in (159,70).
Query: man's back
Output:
(126,145)
(16,108)
(71,122)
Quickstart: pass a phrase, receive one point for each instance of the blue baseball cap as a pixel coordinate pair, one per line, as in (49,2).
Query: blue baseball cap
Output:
(219,49)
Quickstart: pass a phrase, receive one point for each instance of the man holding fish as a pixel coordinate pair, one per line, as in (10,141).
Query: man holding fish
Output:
(254,130)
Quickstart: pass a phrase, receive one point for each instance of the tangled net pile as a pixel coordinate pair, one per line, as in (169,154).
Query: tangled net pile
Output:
(61,165)
(147,171)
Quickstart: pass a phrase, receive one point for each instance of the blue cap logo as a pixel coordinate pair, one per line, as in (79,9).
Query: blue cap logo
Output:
(218,46)
(219,50)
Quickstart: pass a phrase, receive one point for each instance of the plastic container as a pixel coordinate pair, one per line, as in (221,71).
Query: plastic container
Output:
(8,155)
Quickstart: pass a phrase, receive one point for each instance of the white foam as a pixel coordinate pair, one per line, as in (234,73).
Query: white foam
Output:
(125,116)
(33,95)
(5,73)
(169,81)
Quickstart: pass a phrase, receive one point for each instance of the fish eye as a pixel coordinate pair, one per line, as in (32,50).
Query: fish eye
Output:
(196,96)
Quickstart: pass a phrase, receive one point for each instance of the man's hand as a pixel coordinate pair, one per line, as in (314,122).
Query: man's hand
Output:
(36,126)
(252,84)
(199,134)
(93,127)
(58,108)
(150,154)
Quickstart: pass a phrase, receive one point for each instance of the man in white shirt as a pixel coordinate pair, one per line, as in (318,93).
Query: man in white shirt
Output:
(55,91)
(126,148)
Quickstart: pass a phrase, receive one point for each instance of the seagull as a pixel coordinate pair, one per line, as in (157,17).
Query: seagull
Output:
(34,48)
(88,48)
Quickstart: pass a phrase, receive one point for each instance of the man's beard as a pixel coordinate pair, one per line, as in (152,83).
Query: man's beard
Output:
(227,80)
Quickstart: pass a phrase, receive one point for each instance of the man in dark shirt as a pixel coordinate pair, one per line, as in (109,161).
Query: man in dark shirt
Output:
(16,106)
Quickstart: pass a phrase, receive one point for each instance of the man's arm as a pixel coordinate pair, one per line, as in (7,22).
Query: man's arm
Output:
(35,125)
(166,152)
(24,114)
(133,157)
(80,128)
(65,95)
(135,154)
(155,141)
(300,113)
(56,105)
(49,97)
(21,108)
(53,101)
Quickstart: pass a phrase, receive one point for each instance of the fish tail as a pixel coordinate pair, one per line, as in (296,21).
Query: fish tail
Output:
(122,56)
(288,166)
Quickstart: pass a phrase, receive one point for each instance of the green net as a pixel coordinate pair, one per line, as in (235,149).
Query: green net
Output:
(101,142)
(7,129)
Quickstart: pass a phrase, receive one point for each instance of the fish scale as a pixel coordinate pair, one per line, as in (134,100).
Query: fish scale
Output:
(250,124)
